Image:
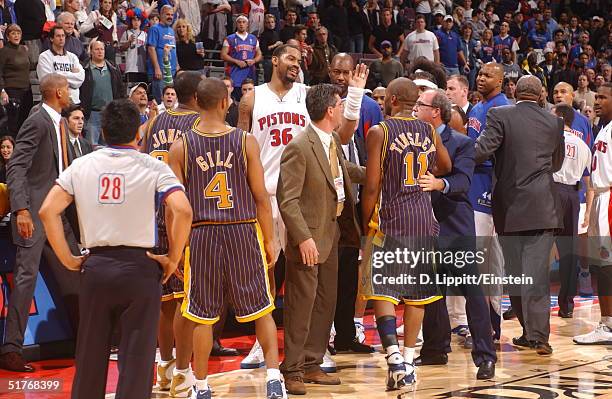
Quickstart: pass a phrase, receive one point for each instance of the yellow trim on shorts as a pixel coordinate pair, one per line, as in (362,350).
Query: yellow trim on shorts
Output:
(391,299)
(213,223)
(270,307)
(425,301)
(187,288)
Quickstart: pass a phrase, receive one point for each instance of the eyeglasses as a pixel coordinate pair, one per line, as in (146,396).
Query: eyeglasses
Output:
(420,104)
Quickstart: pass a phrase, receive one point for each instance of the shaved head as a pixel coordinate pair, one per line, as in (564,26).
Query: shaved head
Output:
(210,93)
(401,93)
(342,58)
(496,69)
(528,88)
(563,93)
(490,79)
(564,85)
(50,83)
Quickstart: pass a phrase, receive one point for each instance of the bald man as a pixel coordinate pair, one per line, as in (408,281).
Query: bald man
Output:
(489,85)
(563,93)
(526,203)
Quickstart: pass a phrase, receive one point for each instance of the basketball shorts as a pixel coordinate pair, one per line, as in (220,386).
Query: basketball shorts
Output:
(173,288)
(600,243)
(227,265)
(280,234)
(390,273)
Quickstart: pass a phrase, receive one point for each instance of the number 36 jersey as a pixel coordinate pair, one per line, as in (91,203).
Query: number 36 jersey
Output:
(275,122)
(216,177)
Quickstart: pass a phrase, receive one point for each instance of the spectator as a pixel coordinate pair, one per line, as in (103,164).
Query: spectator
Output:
(386,31)
(486,47)
(190,55)
(580,64)
(103,83)
(371,11)
(580,47)
(420,43)
(158,37)
(31,17)
(58,60)
(7,13)
(475,97)
(599,80)
(516,27)
(322,55)
(457,92)
(241,52)
(357,26)
(288,30)
(468,10)
(134,41)
(190,11)
(300,33)
(232,113)
(589,112)
(531,67)
(459,18)
(268,41)
(539,36)
(563,73)
(16,93)
(504,40)
(80,16)
(378,95)
(138,95)
(313,23)
(215,20)
(424,7)
(574,31)
(169,100)
(511,70)
(255,11)
(438,21)
(336,20)
(247,86)
(477,24)
(451,54)
(73,43)
(458,120)
(470,48)
(584,94)
(276,8)
(384,70)
(7,145)
(549,65)
(549,22)
(102,25)
(509,88)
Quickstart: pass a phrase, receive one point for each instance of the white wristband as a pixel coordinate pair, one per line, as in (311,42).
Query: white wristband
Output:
(352,105)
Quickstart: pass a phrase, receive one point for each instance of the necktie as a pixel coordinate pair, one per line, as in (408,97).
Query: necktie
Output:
(333,160)
(354,187)
(64,145)
(77,149)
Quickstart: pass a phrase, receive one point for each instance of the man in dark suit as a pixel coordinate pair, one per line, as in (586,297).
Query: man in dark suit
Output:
(75,118)
(455,214)
(313,163)
(528,146)
(41,152)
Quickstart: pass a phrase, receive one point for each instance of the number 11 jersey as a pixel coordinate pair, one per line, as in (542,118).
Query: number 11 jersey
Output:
(275,122)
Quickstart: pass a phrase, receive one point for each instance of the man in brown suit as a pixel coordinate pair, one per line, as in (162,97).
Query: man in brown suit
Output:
(317,206)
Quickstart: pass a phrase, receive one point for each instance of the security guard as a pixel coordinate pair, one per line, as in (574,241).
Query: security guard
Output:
(115,191)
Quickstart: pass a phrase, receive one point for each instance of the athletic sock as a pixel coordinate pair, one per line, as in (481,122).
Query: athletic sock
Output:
(201,385)
(358,320)
(180,371)
(273,374)
(164,363)
(607,321)
(408,355)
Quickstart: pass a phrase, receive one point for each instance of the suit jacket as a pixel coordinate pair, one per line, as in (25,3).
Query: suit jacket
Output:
(86,147)
(33,170)
(529,146)
(71,212)
(307,197)
(454,210)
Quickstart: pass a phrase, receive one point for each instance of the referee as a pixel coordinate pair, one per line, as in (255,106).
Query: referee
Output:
(115,191)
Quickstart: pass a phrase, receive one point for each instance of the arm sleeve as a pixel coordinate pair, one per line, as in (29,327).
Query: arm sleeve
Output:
(166,180)
(75,79)
(434,38)
(65,181)
(45,65)
(490,139)
(463,168)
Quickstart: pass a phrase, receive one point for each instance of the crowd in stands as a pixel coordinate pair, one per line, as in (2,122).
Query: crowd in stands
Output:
(107,47)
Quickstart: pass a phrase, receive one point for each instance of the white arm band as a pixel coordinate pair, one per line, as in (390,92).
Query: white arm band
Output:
(352,105)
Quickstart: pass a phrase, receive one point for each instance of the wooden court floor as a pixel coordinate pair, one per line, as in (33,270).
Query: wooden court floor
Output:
(571,372)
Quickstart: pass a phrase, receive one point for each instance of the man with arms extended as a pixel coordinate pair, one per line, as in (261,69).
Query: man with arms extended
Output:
(313,163)
(394,207)
(231,244)
(525,202)
(115,191)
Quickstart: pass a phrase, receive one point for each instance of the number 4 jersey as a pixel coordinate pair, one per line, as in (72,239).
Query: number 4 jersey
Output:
(275,122)
(216,177)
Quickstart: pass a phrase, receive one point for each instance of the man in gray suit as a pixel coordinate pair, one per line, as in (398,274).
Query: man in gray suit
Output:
(528,146)
(313,162)
(41,153)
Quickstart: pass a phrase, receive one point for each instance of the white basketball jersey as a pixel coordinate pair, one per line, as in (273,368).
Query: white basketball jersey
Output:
(601,171)
(256,17)
(275,122)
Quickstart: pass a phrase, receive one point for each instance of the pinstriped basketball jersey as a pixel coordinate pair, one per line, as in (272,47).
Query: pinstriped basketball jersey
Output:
(408,153)
(164,130)
(216,177)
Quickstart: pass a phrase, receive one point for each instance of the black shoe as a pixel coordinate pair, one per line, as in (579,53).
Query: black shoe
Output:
(355,347)
(509,314)
(543,348)
(565,314)
(522,341)
(218,350)
(332,350)
(486,370)
(13,361)
(435,360)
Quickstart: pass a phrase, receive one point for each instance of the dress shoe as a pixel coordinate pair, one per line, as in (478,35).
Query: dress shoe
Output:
(295,385)
(509,314)
(565,314)
(219,350)
(522,341)
(321,378)
(486,370)
(543,348)
(355,347)
(14,361)
(435,360)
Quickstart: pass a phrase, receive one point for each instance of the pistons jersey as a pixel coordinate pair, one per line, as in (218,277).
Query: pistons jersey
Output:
(275,122)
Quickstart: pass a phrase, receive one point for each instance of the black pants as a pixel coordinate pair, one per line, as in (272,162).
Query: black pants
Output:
(348,274)
(436,324)
(566,245)
(120,286)
(528,253)
(18,108)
